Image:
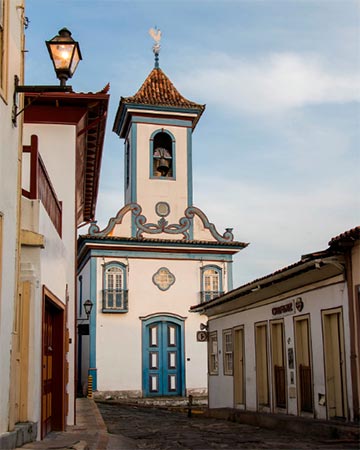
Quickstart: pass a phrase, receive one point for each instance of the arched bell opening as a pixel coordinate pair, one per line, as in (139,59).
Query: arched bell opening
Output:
(162,155)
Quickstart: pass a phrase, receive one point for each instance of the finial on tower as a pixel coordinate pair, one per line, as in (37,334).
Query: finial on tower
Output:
(155,33)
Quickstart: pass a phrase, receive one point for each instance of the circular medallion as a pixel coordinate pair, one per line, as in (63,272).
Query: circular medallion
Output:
(162,209)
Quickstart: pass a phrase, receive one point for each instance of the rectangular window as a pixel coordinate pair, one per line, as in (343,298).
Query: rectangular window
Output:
(213,354)
(228,352)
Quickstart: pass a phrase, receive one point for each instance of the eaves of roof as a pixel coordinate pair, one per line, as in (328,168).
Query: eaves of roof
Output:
(345,239)
(89,109)
(262,287)
(236,245)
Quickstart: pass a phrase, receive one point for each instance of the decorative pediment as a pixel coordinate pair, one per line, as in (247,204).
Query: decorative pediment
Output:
(141,227)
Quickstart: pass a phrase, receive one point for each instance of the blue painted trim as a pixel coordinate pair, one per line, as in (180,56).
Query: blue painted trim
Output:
(140,222)
(190,178)
(163,108)
(80,295)
(173,155)
(163,318)
(158,285)
(162,121)
(218,270)
(127,177)
(133,176)
(92,325)
(158,255)
(230,275)
(119,264)
(189,167)
(143,254)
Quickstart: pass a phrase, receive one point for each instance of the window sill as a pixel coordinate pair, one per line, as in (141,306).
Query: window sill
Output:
(116,311)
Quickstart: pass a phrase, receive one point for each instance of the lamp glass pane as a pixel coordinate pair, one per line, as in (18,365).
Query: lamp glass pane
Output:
(62,54)
(75,60)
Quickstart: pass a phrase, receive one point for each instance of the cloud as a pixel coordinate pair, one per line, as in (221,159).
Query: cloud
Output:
(275,83)
(280,224)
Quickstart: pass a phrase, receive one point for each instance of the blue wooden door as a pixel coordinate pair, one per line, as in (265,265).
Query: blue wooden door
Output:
(162,359)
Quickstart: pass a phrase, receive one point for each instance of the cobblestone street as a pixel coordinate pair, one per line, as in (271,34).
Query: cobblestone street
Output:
(161,429)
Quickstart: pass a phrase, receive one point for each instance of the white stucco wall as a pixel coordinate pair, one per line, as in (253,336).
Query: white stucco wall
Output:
(9,150)
(151,191)
(119,336)
(316,300)
(56,266)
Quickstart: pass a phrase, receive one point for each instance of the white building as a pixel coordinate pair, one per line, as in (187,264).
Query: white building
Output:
(12,23)
(156,257)
(63,138)
(288,343)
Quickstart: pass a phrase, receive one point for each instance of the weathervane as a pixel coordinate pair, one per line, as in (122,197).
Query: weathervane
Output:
(155,33)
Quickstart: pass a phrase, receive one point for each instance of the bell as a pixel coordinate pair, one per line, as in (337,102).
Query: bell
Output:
(163,166)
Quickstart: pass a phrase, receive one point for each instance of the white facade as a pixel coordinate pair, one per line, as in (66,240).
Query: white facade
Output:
(11,64)
(156,257)
(59,188)
(290,343)
(52,265)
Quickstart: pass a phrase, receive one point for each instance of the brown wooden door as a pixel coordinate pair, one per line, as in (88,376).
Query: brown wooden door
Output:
(47,371)
(53,366)
(239,375)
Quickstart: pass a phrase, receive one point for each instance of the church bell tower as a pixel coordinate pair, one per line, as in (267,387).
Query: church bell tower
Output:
(157,124)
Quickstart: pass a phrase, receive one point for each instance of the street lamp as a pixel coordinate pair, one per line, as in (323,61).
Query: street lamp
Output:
(88,307)
(65,55)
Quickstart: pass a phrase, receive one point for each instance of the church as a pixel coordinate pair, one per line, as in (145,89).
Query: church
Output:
(157,256)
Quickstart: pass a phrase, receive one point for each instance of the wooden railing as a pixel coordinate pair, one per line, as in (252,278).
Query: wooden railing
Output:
(40,185)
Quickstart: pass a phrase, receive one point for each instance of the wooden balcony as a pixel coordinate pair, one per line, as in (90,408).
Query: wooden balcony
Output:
(40,185)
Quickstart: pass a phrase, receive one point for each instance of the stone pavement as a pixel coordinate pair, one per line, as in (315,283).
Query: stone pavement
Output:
(156,428)
(89,433)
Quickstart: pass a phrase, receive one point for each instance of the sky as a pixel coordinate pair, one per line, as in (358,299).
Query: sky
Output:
(276,154)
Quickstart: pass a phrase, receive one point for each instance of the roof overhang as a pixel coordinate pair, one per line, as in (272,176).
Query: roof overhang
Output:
(88,112)
(87,243)
(284,281)
(127,110)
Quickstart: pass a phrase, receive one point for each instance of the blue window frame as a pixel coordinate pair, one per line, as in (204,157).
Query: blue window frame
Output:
(115,293)
(162,155)
(211,282)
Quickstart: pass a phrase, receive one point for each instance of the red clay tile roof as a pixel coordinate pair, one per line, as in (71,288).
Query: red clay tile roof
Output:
(157,89)
(347,236)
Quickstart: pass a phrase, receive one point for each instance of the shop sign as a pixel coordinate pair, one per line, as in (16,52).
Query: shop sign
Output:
(284,310)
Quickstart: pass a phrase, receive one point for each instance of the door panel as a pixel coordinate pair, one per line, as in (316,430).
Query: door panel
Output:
(278,363)
(334,364)
(162,359)
(303,363)
(47,373)
(239,387)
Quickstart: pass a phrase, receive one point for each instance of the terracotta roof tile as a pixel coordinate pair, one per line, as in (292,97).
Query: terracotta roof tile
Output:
(352,234)
(235,244)
(157,89)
